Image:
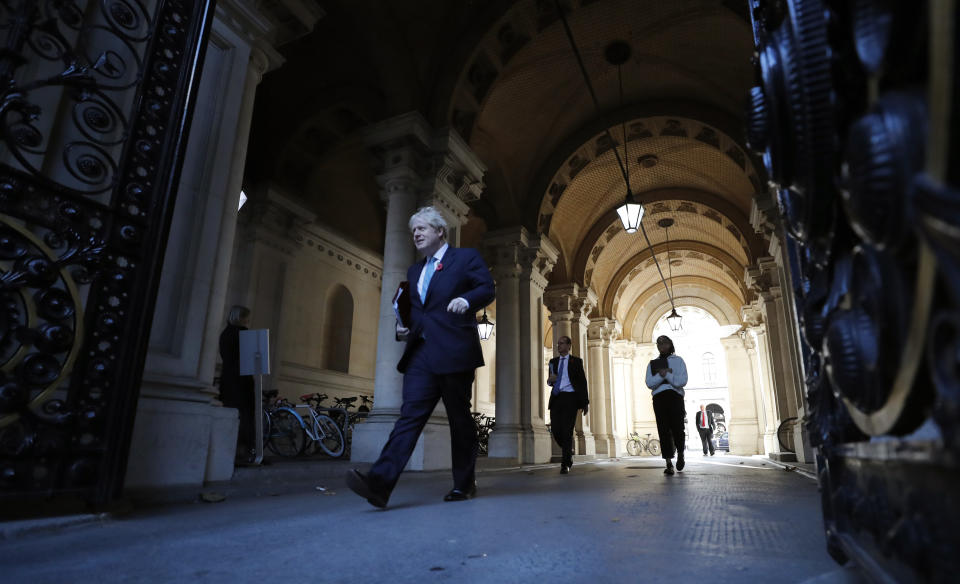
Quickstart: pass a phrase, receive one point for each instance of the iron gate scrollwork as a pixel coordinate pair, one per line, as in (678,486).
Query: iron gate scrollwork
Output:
(844,118)
(94,112)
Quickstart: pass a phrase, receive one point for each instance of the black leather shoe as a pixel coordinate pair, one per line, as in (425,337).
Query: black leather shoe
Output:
(669,469)
(461,495)
(680,462)
(359,483)
(564,469)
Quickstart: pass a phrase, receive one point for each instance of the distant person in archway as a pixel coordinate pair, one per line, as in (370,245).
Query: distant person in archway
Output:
(666,376)
(569,394)
(705,427)
(236,391)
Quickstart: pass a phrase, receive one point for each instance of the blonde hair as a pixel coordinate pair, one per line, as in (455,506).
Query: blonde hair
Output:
(432,217)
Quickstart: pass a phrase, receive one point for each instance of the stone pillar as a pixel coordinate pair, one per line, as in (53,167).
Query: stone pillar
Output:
(570,307)
(776,271)
(623,353)
(765,281)
(182,435)
(743,422)
(406,145)
(758,350)
(520,265)
(600,333)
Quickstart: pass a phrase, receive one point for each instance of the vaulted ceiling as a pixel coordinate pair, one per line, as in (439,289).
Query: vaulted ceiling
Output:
(503,74)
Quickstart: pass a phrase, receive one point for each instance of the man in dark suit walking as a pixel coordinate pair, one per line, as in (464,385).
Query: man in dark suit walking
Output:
(443,350)
(705,427)
(569,394)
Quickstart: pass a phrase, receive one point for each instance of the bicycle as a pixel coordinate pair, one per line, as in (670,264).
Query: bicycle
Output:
(289,431)
(636,445)
(485,425)
(282,432)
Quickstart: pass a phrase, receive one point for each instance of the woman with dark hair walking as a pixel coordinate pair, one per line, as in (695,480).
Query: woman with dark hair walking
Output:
(666,376)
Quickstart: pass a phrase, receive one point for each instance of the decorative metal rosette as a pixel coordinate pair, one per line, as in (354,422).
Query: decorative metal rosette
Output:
(41,329)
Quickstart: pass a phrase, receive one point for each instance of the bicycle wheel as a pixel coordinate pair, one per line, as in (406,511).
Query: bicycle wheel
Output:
(785,435)
(633,447)
(287,437)
(654,447)
(329,435)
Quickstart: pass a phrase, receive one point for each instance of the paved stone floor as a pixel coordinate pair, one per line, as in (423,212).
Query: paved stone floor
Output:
(725,519)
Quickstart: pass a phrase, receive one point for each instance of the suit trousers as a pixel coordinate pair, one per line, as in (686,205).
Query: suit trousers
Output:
(421,390)
(563,418)
(668,408)
(706,437)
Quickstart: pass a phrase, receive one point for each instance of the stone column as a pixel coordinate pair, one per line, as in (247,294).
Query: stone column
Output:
(759,352)
(420,166)
(743,421)
(763,217)
(600,333)
(570,307)
(623,353)
(182,435)
(765,280)
(537,262)
(520,264)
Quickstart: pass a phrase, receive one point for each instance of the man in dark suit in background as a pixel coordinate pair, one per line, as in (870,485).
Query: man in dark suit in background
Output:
(705,427)
(443,350)
(569,394)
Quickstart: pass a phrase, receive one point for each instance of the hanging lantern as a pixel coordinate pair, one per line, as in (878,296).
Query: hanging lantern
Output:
(485,327)
(675,320)
(631,212)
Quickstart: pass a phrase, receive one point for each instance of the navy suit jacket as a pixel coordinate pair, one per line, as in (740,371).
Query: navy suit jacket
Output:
(449,339)
(578,379)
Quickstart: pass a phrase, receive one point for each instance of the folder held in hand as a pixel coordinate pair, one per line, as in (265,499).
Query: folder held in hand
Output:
(401,304)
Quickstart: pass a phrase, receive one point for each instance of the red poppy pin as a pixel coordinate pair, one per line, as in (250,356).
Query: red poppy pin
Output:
(439,266)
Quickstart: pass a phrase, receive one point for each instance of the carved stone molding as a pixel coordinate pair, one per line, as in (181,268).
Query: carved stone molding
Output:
(274,219)
(763,277)
(623,349)
(571,298)
(603,330)
(437,165)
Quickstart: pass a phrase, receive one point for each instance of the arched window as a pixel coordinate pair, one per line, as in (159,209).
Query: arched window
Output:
(338,331)
(709,368)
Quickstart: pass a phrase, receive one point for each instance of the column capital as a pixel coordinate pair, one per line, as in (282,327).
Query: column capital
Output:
(437,164)
(624,349)
(603,330)
(570,297)
(538,260)
(763,276)
(751,315)
(268,25)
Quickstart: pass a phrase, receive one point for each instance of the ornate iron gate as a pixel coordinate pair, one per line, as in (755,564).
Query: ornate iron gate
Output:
(852,117)
(94,111)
